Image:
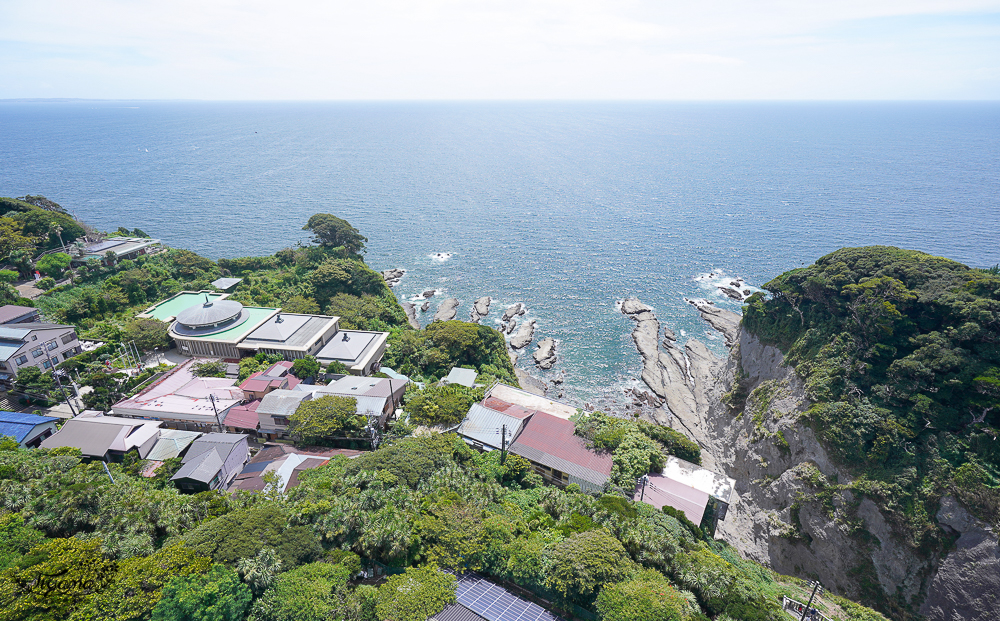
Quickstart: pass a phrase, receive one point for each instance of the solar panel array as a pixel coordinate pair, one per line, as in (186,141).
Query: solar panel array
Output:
(495,603)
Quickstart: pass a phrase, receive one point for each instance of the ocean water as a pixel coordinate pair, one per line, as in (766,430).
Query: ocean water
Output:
(567,207)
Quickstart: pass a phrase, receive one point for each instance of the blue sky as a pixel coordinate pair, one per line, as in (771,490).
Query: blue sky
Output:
(495,49)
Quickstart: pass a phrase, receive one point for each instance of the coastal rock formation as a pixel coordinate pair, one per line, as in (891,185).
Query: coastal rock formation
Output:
(732,294)
(531,383)
(393,276)
(411,314)
(446,311)
(480,309)
(509,326)
(516,309)
(725,321)
(428,294)
(425,306)
(524,335)
(545,355)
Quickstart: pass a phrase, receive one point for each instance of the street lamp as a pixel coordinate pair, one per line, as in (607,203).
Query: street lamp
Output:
(817,588)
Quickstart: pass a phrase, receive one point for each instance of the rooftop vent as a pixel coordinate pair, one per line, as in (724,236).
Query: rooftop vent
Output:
(346,338)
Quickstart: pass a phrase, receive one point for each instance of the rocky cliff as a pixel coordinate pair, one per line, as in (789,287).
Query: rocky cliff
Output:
(796,510)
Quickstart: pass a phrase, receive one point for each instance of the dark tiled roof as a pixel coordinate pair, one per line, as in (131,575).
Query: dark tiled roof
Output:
(549,440)
(10,312)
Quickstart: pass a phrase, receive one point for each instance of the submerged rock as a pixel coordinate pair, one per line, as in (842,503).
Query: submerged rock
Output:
(425,306)
(446,311)
(428,294)
(480,309)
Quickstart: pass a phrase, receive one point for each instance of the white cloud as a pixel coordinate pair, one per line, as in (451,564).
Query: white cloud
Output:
(519,49)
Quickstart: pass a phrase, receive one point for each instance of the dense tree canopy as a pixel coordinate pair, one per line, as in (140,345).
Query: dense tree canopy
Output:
(320,420)
(331,231)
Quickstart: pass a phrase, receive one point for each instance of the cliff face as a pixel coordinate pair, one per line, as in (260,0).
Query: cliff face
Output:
(798,513)
(796,510)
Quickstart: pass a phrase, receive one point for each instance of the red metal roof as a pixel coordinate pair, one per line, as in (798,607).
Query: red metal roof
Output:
(662,491)
(554,436)
(243,416)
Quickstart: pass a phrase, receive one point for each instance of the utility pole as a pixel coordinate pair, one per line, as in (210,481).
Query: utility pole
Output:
(211,397)
(643,479)
(816,588)
(64,393)
(503,444)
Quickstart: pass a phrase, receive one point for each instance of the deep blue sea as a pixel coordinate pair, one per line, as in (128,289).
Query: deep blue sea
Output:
(566,207)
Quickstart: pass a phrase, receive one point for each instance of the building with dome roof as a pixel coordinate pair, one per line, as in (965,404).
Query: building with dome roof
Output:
(208,324)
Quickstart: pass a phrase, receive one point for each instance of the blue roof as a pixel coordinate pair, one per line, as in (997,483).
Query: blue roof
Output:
(18,425)
(8,348)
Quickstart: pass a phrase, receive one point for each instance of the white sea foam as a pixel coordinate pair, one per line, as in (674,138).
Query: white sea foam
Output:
(441,257)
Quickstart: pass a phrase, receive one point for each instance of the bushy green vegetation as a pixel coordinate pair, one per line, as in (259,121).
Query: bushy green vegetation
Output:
(637,447)
(322,420)
(431,353)
(440,405)
(74,545)
(899,353)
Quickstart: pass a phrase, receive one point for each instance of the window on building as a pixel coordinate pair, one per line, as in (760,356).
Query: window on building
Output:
(51,345)
(68,338)
(280,420)
(54,360)
(21,360)
(36,352)
(34,337)
(46,364)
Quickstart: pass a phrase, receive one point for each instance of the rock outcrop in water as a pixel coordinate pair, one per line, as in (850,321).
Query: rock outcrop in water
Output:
(545,355)
(393,276)
(524,335)
(446,311)
(480,309)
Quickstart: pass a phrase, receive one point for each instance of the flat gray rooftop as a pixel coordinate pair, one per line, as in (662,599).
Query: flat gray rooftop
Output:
(287,329)
(351,349)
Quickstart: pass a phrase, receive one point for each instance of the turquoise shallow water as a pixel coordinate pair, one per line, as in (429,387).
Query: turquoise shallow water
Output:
(566,207)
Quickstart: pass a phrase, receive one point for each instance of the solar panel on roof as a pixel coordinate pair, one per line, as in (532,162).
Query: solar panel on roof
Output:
(495,603)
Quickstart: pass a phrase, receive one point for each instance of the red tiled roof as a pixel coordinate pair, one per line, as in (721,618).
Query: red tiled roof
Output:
(243,416)
(554,436)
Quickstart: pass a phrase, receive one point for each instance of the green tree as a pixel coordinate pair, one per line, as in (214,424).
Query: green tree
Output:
(305,367)
(138,584)
(259,571)
(316,420)
(54,579)
(441,405)
(634,457)
(647,596)
(416,594)
(584,562)
(300,304)
(211,368)
(217,595)
(13,239)
(16,539)
(333,232)
(314,592)
(54,264)
(147,334)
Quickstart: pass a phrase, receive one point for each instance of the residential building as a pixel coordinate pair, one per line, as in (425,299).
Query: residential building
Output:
(183,401)
(276,377)
(27,429)
(106,438)
(702,494)
(212,462)
(243,418)
(286,462)
(42,345)
(123,247)
(539,430)
(11,313)
(275,411)
(376,396)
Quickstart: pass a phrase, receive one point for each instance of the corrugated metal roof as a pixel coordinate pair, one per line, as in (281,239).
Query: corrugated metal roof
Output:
(10,312)
(373,405)
(15,334)
(456,612)
(172,443)
(225,283)
(483,425)
(8,348)
(281,402)
(662,491)
(463,377)
(10,425)
(243,416)
(202,469)
(93,439)
(549,440)
(713,483)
